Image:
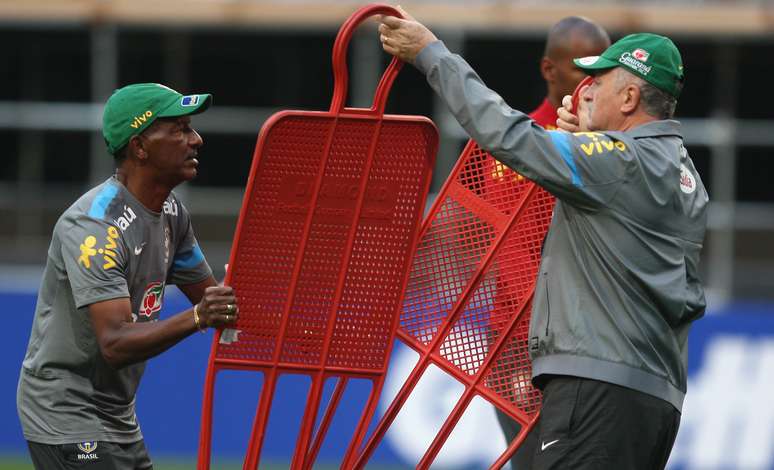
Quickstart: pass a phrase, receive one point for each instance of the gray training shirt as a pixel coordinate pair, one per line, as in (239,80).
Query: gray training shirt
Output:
(105,246)
(618,286)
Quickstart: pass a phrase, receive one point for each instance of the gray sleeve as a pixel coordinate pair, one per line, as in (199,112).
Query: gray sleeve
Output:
(695,301)
(583,169)
(94,256)
(188,265)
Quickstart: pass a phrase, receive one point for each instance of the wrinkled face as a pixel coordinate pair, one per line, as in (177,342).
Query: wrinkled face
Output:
(603,100)
(173,147)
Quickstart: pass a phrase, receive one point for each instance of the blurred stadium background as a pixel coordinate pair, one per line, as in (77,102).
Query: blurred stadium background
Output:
(60,60)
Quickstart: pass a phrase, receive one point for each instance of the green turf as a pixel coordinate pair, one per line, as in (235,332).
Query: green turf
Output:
(23,463)
(15,463)
(20,463)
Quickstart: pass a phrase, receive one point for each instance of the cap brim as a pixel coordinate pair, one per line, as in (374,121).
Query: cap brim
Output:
(187,105)
(594,63)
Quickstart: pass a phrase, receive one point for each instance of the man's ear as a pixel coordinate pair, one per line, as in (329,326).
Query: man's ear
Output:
(547,69)
(631,98)
(136,148)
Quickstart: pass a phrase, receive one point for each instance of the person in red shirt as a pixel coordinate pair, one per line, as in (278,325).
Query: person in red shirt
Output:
(571,37)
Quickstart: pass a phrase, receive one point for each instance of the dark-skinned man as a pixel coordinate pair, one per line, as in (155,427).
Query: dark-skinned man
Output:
(97,314)
(618,286)
(570,37)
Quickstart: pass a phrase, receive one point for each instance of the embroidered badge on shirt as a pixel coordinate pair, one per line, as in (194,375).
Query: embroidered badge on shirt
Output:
(687,180)
(152,299)
(88,449)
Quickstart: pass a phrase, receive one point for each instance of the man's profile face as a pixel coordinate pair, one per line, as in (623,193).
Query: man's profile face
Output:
(173,147)
(602,101)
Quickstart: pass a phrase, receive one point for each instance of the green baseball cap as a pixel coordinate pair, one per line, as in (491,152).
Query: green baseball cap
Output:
(650,56)
(131,109)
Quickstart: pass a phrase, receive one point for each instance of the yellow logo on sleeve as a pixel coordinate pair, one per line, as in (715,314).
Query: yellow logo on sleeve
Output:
(108,251)
(109,255)
(599,143)
(87,251)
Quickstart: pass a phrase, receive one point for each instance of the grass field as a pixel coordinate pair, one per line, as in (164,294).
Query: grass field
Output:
(23,463)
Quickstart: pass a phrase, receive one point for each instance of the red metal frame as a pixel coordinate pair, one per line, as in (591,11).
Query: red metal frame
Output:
(576,94)
(507,203)
(478,260)
(333,199)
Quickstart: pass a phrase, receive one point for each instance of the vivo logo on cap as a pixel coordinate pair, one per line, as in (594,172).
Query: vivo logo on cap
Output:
(190,100)
(141,119)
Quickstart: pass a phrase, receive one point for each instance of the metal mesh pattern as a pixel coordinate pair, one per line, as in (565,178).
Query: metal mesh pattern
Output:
(474,273)
(503,186)
(262,272)
(349,293)
(380,255)
(511,372)
(328,236)
(443,265)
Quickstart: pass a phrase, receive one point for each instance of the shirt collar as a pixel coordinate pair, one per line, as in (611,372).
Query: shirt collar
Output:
(657,129)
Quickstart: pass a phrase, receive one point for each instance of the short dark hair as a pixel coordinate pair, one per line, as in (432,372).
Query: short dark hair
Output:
(560,33)
(656,102)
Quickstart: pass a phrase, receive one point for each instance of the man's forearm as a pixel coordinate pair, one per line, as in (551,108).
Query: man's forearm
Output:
(130,343)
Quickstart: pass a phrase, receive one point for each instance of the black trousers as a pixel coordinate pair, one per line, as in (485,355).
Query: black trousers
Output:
(591,425)
(90,456)
(522,459)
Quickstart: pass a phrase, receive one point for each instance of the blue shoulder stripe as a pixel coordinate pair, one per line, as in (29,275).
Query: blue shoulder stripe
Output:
(189,259)
(561,140)
(101,202)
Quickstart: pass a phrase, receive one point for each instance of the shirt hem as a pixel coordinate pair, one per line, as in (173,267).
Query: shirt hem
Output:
(611,372)
(75,438)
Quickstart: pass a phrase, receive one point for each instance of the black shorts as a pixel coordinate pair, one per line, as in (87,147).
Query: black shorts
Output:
(591,425)
(90,456)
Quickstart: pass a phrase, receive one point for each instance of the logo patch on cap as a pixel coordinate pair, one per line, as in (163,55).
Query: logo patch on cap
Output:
(190,100)
(630,61)
(590,60)
(641,55)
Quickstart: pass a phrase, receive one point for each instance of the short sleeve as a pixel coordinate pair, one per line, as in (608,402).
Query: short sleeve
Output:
(188,265)
(94,256)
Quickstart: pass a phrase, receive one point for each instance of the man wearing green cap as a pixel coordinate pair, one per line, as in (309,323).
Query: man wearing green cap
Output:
(97,315)
(618,286)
